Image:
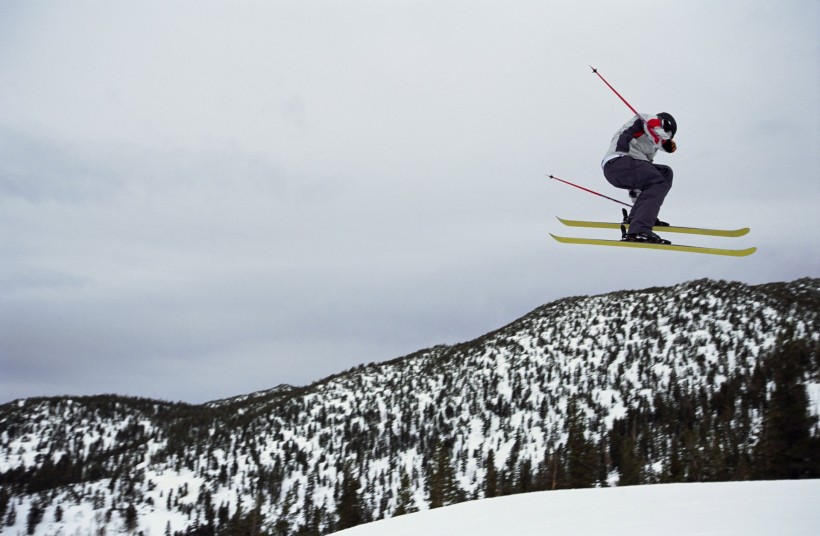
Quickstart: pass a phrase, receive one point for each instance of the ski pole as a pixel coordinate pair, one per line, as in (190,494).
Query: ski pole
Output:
(594,70)
(590,191)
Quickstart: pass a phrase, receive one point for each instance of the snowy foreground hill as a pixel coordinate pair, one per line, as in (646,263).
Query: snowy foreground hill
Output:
(706,381)
(782,508)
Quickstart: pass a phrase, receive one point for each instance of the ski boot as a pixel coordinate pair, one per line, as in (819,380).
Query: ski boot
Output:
(658,223)
(648,237)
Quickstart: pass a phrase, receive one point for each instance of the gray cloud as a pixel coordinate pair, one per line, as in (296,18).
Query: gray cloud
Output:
(197,202)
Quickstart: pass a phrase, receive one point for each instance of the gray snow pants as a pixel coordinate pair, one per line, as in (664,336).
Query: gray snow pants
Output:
(653,180)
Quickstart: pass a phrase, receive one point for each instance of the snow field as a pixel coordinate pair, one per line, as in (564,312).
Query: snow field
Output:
(783,508)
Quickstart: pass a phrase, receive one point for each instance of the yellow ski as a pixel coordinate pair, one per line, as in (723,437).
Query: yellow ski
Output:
(668,229)
(649,245)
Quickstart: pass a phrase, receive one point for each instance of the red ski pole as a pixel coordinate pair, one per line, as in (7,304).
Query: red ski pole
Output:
(590,191)
(594,70)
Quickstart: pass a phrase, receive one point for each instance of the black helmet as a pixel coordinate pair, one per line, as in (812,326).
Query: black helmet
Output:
(669,123)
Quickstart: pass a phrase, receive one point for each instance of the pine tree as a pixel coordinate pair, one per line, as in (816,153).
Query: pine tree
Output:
(787,448)
(245,524)
(582,458)
(629,463)
(674,467)
(131,518)
(436,478)
(441,480)
(35,515)
(542,481)
(11,517)
(524,480)
(556,469)
(350,506)
(405,503)
(491,480)
(5,498)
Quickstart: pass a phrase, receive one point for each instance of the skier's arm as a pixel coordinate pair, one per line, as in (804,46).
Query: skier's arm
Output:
(654,127)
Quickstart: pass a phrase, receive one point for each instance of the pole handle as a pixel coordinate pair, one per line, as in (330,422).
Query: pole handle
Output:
(595,71)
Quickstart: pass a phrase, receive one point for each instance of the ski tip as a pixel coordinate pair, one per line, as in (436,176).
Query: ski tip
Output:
(562,239)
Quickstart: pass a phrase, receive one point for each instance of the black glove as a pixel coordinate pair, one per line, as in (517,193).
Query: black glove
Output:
(669,146)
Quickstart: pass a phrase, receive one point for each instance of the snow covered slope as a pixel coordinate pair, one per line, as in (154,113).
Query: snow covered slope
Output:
(660,385)
(783,508)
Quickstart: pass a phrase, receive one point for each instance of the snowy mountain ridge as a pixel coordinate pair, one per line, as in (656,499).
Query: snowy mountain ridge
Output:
(658,385)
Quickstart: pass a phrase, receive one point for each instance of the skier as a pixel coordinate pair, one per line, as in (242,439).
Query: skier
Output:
(628,164)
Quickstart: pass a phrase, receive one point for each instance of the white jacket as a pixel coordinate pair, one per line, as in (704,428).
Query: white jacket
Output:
(640,138)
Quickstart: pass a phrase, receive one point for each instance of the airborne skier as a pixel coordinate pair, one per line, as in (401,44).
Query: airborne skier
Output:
(628,164)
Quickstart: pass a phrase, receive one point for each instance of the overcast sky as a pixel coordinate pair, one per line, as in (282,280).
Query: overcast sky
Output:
(201,199)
